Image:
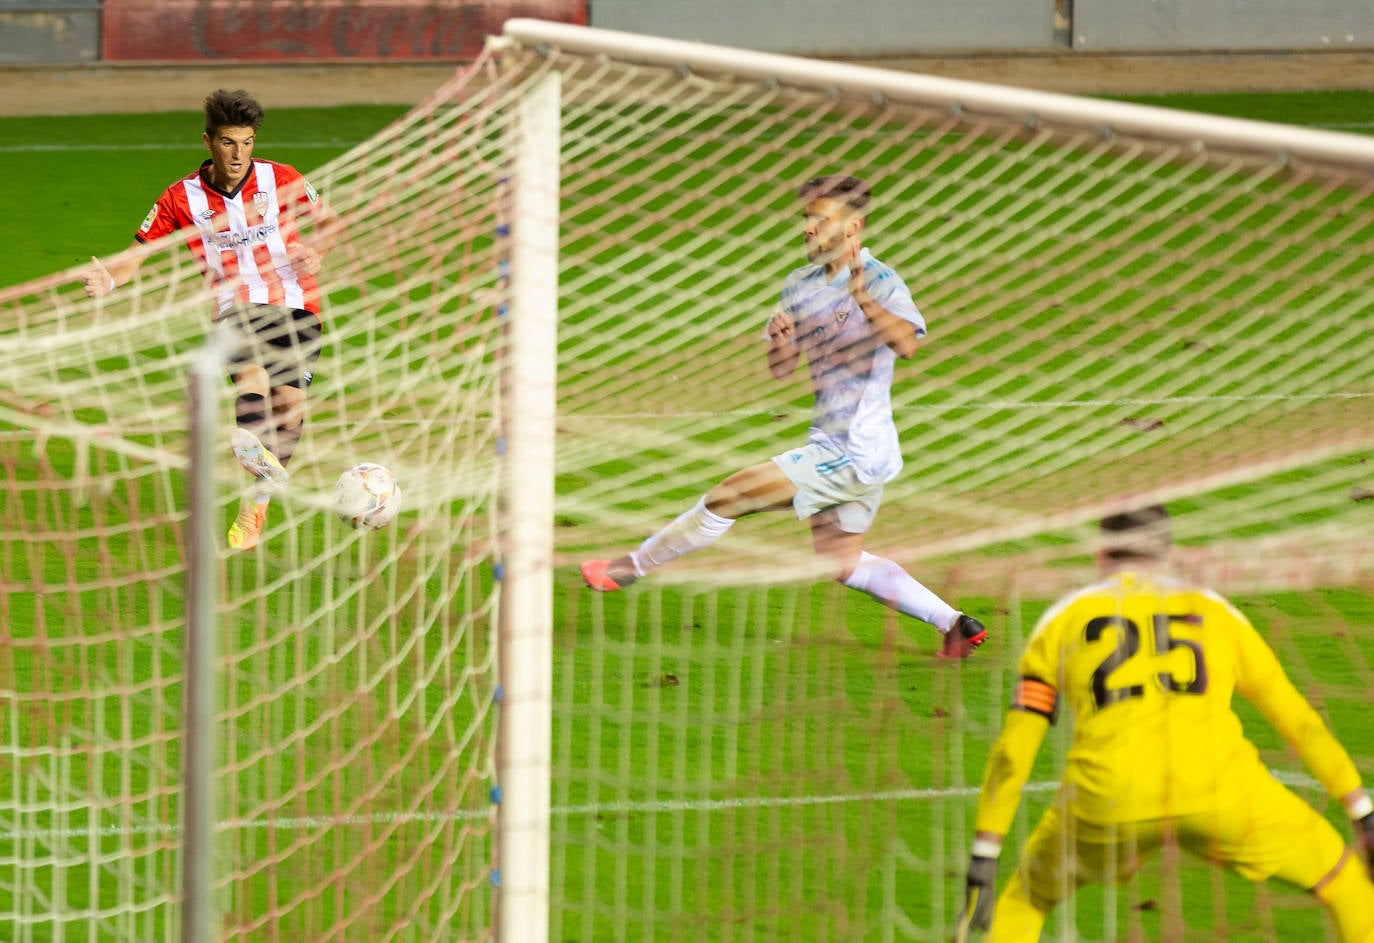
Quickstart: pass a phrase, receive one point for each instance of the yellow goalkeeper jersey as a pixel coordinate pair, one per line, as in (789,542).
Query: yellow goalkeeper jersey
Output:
(1148,667)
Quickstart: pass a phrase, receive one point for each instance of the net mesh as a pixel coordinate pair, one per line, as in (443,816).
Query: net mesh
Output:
(742,749)
(357,667)
(747,751)
(1108,317)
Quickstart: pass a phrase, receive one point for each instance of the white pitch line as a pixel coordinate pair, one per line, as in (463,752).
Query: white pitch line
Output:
(181,146)
(800,413)
(652,807)
(998,404)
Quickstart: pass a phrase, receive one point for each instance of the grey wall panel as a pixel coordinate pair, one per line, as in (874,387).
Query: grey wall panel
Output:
(1193,25)
(49,35)
(826,28)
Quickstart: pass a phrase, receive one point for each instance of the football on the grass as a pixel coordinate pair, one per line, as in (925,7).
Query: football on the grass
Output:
(367,496)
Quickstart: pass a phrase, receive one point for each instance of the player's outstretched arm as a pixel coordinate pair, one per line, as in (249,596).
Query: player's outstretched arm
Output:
(1264,683)
(101,278)
(1008,768)
(1261,680)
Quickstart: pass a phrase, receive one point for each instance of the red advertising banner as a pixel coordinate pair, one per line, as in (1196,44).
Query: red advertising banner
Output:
(304,30)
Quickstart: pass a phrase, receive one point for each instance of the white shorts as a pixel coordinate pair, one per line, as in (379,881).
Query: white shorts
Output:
(825,479)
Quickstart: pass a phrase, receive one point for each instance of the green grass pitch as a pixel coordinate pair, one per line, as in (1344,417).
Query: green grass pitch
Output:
(692,683)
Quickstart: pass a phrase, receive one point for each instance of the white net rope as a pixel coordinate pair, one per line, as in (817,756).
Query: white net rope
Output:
(745,753)
(357,669)
(1112,319)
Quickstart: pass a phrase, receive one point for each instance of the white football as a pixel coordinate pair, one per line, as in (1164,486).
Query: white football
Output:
(367,496)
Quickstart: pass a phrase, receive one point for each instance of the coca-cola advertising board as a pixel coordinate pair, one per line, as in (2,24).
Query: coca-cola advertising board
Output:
(313,30)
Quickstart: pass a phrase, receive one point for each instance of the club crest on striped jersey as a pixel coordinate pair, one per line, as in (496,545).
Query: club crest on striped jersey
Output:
(260,202)
(148,220)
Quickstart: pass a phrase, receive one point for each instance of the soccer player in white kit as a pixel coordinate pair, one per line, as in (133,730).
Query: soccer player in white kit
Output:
(242,217)
(851,316)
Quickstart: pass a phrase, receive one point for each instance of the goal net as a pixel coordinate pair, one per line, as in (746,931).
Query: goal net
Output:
(355,710)
(1124,305)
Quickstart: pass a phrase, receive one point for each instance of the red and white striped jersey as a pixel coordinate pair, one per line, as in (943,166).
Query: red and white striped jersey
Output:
(243,239)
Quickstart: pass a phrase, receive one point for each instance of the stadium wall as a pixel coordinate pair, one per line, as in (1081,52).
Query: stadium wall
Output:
(81,31)
(1190,25)
(888,27)
(823,28)
(271,30)
(49,30)
(60,71)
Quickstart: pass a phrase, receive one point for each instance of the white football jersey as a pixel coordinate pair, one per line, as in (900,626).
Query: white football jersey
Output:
(851,371)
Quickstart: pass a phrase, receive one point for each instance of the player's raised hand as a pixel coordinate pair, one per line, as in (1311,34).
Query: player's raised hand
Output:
(780,325)
(97,281)
(979,896)
(306,259)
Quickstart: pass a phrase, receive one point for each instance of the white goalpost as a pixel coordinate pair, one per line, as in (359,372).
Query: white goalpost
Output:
(524,767)
(545,316)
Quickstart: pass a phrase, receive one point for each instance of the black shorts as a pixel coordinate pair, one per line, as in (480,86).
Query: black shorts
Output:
(283,341)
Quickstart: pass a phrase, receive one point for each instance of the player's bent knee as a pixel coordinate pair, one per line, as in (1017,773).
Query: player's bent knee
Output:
(250,374)
(722,501)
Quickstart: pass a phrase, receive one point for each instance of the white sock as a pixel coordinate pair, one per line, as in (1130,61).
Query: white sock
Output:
(897,589)
(692,530)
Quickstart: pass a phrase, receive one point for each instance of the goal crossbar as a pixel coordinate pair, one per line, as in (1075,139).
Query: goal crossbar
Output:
(975,98)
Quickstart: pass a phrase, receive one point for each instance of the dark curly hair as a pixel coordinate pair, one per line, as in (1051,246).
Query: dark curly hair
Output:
(236,109)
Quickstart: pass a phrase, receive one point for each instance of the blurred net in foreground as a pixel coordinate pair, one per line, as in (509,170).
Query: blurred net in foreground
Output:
(1124,305)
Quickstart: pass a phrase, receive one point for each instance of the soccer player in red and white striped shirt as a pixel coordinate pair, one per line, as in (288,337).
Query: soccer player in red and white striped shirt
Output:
(242,219)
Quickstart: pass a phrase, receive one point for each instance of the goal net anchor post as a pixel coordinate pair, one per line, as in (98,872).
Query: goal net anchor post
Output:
(198,913)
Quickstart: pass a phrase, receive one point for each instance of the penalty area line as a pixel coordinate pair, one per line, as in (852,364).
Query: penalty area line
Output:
(1000,405)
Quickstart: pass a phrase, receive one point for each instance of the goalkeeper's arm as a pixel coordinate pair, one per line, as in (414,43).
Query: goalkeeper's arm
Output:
(1008,769)
(1304,730)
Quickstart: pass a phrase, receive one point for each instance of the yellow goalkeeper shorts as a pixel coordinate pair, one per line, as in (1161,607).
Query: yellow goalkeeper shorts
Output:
(1262,831)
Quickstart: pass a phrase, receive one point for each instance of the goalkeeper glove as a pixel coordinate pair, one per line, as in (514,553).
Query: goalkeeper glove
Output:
(979,896)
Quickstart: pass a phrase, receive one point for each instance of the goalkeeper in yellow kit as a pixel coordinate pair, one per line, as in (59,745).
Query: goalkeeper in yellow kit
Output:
(1148,665)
